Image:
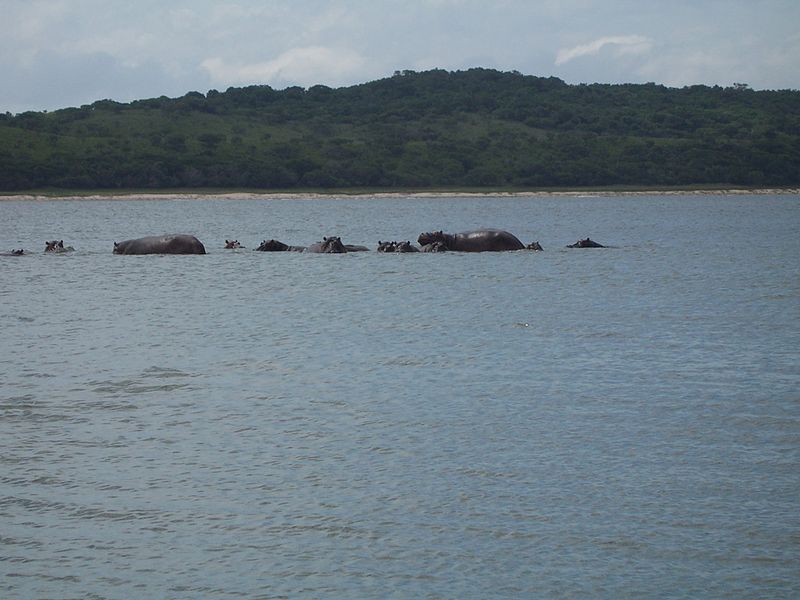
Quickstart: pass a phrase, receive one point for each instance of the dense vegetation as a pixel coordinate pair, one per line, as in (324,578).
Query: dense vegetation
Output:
(476,128)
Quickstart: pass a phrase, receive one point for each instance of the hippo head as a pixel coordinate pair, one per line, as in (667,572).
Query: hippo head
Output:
(431,237)
(386,246)
(333,245)
(404,247)
(534,246)
(272,246)
(52,246)
(232,244)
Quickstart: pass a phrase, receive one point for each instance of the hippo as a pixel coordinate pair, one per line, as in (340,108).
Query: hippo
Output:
(434,247)
(396,247)
(19,252)
(232,244)
(405,247)
(587,243)
(534,246)
(480,240)
(276,246)
(354,248)
(328,245)
(176,243)
(57,246)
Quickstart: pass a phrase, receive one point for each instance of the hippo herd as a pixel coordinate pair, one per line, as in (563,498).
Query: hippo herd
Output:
(479,240)
(53,247)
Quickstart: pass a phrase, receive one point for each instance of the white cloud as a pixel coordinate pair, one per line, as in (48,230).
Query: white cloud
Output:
(58,51)
(303,66)
(624,44)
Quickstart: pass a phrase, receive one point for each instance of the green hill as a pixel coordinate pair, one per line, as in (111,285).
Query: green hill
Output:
(475,128)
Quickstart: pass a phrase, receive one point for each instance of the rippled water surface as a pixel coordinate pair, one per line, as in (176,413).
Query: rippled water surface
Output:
(621,422)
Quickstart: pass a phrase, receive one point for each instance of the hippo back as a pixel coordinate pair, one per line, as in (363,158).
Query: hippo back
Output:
(587,243)
(486,240)
(272,246)
(479,240)
(161,244)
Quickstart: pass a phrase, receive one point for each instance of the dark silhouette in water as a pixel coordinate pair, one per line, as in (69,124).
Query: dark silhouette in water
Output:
(401,247)
(587,243)
(480,240)
(57,246)
(161,244)
(276,246)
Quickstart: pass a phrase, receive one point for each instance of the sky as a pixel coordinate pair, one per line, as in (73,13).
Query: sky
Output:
(61,53)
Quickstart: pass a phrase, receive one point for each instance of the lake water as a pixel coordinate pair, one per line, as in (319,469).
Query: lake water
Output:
(610,423)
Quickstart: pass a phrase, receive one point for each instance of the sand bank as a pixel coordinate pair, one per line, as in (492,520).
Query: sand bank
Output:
(213,195)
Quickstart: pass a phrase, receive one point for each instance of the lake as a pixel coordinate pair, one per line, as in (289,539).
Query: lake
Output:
(599,423)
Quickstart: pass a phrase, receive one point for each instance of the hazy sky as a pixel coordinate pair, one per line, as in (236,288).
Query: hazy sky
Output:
(59,53)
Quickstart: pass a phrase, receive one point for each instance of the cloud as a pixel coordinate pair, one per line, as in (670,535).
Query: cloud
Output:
(625,44)
(302,66)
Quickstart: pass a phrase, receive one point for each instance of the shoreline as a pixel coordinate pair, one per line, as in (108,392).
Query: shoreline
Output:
(336,195)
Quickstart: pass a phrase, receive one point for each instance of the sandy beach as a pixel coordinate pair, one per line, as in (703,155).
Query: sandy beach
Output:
(216,195)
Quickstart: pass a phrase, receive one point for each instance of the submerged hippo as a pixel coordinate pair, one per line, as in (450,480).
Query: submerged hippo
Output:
(405,247)
(534,246)
(328,245)
(276,246)
(232,244)
(480,240)
(587,243)
(396,247)
(19,252)
(176,243)
(57,246)
(434,247)
(334,245)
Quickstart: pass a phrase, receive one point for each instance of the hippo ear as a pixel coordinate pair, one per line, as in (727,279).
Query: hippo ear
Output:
(116,244)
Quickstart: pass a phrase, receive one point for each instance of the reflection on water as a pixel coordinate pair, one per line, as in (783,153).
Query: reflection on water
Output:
(612,423)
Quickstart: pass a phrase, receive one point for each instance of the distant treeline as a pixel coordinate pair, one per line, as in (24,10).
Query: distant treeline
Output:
(468,129)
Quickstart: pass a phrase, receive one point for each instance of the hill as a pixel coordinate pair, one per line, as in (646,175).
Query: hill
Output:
(475,128)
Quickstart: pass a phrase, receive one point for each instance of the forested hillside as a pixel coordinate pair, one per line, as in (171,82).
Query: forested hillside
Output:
(476,128)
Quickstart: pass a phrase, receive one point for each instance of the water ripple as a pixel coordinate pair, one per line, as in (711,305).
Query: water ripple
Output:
(564,423)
